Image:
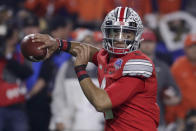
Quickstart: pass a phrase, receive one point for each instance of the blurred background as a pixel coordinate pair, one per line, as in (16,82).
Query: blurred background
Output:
(45,96)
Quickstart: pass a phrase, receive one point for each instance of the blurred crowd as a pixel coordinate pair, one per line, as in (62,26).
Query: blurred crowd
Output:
(46,96)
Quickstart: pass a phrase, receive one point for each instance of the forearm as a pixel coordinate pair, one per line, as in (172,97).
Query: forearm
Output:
(71,45)
(96,96)
(53,45)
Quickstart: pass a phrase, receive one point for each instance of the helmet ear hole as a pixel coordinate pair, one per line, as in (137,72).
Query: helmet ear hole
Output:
(109,22)
(133,24)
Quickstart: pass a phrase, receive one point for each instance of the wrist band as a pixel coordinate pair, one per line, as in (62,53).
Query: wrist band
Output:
(81,72)
(64,45)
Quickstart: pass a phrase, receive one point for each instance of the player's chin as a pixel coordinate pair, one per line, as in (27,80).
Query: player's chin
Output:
(119,46)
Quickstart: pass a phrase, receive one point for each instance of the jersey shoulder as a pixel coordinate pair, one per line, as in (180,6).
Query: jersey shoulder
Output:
(137,64)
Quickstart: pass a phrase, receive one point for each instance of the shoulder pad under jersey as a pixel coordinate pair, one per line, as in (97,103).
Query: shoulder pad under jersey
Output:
(138,67)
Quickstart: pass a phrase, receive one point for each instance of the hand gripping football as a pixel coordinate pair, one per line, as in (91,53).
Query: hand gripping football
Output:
(30,49)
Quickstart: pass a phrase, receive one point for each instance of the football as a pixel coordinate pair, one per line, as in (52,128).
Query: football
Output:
(30,49)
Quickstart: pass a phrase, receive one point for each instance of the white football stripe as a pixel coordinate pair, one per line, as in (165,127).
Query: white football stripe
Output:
(137,72)
(139,60)
(119,9)
(138,63)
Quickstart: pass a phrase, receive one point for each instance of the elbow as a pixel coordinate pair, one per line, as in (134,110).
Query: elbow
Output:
(99,108)
(102,102)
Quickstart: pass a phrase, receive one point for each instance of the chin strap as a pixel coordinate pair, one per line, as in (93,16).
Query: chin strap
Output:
(118,50)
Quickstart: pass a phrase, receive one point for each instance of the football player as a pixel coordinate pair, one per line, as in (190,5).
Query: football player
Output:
(127,77)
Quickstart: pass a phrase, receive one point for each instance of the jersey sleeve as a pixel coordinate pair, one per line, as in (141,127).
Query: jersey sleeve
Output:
(138,67)
(94,58)
(124,89)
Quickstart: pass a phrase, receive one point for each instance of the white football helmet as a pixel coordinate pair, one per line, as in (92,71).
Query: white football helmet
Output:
(122,25)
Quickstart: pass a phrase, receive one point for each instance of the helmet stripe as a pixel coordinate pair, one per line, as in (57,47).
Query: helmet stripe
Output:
(122,14)
(118,13)
(125,14)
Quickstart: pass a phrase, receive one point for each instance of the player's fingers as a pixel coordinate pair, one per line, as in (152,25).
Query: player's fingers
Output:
(48,54)
(36,36)
(39,37)
(88,52)
(79,48)
(43,46)
(37,40)
(84,47)
(41,40)
(84,51)
(77,51)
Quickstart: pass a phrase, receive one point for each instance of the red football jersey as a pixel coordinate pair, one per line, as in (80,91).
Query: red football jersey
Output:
(131,84)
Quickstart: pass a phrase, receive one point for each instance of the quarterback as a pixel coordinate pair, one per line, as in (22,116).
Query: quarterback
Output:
(128,86)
